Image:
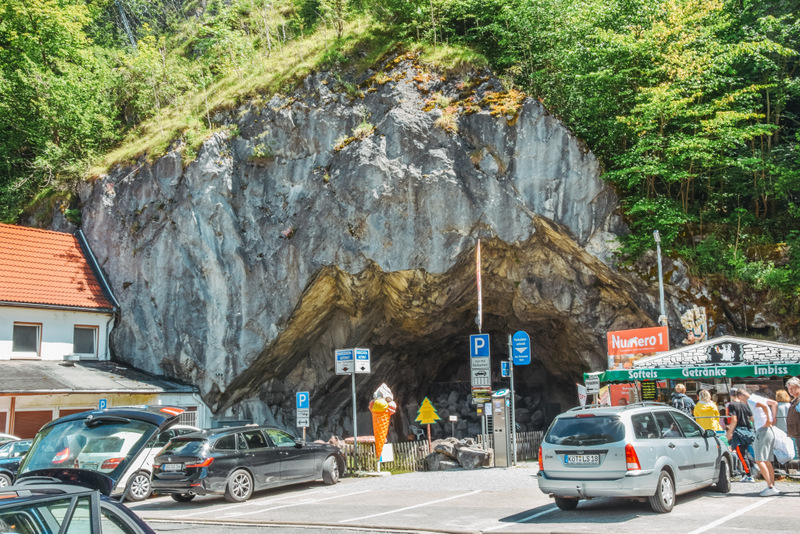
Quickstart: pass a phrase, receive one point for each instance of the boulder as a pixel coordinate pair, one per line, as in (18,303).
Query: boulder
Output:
(470,458)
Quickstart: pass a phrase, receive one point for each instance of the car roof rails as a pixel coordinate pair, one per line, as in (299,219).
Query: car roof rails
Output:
(639,404)
(589,406)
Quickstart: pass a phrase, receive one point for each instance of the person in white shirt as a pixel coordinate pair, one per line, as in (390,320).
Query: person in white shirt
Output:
(765,412)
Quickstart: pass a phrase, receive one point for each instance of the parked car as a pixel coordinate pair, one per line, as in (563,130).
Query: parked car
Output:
(61,488)
(114,443)
(137,478)
(236,461)
(11,454)
(643,450)
(5,438)
(43,505)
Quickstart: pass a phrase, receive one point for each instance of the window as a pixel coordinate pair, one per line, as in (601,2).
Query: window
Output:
(254,439)
(280,438)
(84,340)
(226,443)
(689,427)
(669,429)
(26,338)
(591,430)
(644,426)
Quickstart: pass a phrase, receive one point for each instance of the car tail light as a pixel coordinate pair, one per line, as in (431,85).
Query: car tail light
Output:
(631,458)
(61,456)
(111,463)
(541,459)
(204,463)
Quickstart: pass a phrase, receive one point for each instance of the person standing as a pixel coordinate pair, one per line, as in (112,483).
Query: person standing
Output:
(706,412)
(793,416)
(681,401)
(783,399)
(740,434)
(764,414)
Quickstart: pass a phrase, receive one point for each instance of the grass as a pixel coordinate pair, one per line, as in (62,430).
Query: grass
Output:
(363,44)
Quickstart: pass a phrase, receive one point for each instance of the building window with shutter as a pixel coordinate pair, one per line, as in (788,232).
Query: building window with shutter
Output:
(27,339)
(85,340)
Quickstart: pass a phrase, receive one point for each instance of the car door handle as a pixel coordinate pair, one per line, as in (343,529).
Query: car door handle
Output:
(671,445)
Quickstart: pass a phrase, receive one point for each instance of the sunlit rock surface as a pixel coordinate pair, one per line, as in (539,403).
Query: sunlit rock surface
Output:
(243,270)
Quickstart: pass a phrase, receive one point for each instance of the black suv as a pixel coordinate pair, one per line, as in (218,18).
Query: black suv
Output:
(236,461)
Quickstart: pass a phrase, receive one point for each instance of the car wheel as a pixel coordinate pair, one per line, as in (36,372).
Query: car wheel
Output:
(330,471)
(566,503)
(664,498)
(181,497)
(139,486)
(5,480)
(724,481)
(239,487)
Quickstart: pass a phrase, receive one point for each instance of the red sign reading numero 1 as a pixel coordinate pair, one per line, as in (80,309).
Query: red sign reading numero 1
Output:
(639,341)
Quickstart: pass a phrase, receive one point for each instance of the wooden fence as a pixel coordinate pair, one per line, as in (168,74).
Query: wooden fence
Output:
(410,455)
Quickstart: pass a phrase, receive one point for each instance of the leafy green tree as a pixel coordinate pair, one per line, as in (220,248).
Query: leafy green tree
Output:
(55,105)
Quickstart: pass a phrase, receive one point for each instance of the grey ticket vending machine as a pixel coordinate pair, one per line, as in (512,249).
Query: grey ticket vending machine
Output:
(501,423)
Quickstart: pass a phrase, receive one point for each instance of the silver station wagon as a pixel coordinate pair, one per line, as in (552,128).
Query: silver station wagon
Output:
(644,451)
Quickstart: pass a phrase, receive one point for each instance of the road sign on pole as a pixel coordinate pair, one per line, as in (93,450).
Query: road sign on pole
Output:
(479,346)
(344,362)
(504,369)
(521,348)
(362,360)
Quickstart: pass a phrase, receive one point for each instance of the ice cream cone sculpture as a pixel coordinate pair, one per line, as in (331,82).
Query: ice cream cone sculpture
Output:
(382,407)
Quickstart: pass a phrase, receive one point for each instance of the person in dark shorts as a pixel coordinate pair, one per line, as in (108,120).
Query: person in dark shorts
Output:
(741,434)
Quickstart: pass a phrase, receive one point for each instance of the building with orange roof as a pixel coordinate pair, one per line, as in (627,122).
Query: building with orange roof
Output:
(56,314)
(55,303)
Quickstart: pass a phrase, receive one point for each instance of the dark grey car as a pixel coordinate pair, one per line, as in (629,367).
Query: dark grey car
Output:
(236,461)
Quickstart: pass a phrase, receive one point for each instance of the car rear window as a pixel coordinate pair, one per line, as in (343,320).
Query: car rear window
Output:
(184,447)
(591,430)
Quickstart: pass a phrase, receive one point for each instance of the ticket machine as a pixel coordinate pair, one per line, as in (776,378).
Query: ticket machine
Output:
(501,426)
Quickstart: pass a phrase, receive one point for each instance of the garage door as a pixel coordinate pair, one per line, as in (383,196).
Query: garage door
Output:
(27,424)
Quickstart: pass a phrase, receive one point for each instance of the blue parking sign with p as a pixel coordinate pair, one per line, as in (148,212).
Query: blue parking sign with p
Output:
(479,346)
(103,404)
(302,400)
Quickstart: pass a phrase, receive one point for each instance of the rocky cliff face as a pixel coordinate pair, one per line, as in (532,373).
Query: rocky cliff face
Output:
(335,219)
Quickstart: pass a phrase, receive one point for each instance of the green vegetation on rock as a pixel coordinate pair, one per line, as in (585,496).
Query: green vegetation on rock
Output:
(691,105)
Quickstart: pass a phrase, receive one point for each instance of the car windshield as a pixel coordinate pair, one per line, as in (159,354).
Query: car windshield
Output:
(591,430)
(108,442)
(182,447)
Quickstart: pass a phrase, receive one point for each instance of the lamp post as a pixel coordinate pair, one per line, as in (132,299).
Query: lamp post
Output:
(662,319)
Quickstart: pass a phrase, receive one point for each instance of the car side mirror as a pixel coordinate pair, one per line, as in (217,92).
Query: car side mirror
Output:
(708,433)
(298,443)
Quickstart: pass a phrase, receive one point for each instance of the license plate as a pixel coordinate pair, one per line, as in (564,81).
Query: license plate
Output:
(172,467)
(582,459)
(90,466)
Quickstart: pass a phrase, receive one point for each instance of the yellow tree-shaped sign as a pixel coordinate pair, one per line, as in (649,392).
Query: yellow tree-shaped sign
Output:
(427,415)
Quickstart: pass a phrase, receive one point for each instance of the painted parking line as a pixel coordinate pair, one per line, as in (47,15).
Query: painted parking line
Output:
(410,507)
(523,520)
(728,517)
(217,510)
(301,503)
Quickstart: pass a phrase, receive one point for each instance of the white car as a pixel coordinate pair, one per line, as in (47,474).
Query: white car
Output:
(644,450)
(135,481)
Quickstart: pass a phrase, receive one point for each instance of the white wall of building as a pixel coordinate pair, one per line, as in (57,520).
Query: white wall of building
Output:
(56,332)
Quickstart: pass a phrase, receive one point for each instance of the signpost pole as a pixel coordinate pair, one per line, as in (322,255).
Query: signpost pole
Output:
(355,420)
(513,416)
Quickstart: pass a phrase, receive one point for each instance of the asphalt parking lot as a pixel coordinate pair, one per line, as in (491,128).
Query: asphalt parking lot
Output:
(503,500)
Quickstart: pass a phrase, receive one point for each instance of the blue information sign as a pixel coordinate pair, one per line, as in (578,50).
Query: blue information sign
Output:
(302,400)
(479,346)
(521,348)
(103,404)
(505,369)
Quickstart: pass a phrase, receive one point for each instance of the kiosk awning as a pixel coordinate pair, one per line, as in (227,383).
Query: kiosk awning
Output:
(689,373)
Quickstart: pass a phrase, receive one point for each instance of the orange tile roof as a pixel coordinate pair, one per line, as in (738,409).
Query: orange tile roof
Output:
(48,268)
